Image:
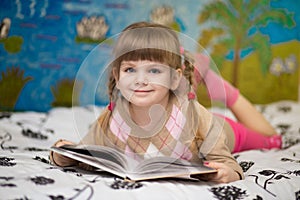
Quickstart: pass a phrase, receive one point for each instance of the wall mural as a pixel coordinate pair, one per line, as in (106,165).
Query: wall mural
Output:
(43,45)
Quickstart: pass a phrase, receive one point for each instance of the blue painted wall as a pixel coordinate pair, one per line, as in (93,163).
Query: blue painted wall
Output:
(49,51)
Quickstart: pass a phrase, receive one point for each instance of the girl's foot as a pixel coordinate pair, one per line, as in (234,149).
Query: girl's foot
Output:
(218,88)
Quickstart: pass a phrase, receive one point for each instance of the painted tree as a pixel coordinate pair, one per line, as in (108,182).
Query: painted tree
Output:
(12,82)
(235,26)
(66,93)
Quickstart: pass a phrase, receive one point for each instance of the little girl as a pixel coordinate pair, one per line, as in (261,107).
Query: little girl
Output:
(153,110)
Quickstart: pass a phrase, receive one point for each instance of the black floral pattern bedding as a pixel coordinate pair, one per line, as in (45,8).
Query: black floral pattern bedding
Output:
(26,173)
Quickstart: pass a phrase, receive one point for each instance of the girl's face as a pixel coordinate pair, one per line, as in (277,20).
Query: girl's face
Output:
(145,83)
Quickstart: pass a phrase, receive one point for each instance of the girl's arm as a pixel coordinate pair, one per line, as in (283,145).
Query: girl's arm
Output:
(218,155)
(92,137)
(225,174)
(59,159)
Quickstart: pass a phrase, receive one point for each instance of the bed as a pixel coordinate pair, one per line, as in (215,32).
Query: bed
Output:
(26,173)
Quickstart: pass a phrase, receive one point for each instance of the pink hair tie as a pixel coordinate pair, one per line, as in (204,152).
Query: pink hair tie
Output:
(111,106)
(181,50)
(191,95)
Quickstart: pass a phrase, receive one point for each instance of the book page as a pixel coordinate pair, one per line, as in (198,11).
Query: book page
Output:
(164,167)
(98,162)
(105,154)
(115,162)
(161,163)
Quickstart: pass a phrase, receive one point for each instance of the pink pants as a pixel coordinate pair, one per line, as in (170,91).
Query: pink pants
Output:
(246,139)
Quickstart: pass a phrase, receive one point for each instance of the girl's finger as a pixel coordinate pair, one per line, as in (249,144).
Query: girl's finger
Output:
(214,165)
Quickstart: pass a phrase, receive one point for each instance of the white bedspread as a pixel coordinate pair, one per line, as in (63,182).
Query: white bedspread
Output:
(25,172)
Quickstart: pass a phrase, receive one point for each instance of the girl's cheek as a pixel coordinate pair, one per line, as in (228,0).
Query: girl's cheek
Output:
(126,80)
(162,81)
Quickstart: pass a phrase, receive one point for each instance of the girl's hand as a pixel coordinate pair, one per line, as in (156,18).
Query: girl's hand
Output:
(59,159)
(224,175)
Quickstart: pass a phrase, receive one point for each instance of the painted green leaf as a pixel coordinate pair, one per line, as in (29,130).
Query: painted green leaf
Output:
(12,82)
(13,44)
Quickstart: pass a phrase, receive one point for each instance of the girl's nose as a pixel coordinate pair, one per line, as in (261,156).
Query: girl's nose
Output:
(141,78)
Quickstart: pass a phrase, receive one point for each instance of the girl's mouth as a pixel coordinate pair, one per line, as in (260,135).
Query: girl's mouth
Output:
(143,91)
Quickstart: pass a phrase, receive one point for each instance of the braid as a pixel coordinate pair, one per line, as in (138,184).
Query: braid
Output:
(111,87)
(189,67)
(188,73)
(104,120)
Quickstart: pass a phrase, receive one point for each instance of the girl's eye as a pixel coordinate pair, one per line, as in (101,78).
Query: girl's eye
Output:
(129,69)
(154,71)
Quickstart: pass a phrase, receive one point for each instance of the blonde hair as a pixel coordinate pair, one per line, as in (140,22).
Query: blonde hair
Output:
(148,41)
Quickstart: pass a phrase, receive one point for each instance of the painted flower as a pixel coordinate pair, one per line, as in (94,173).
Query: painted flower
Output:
(277,67)
(163,15)
(290,64)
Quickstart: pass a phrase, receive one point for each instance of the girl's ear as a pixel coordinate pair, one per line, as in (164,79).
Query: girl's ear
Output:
(177,75)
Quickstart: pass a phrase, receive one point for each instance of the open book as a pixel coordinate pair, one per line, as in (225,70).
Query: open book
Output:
(112,161)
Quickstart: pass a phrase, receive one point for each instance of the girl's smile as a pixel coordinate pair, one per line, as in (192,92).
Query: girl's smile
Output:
(143,91)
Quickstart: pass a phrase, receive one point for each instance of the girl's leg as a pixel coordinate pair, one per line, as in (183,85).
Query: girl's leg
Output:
(248,115)
(247,139)
(218,88)
(221,90)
